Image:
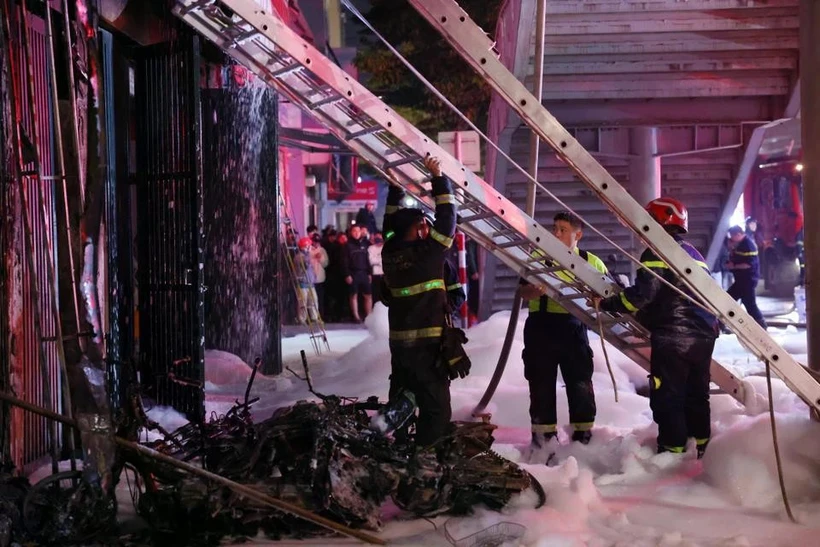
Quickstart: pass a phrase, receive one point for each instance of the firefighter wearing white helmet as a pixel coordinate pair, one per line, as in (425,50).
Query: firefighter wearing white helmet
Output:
(682,336)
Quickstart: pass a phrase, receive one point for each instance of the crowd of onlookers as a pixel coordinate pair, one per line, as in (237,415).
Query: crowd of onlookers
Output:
(338,273)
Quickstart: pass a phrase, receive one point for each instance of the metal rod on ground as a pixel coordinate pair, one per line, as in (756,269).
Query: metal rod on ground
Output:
(58,137)
(17,119)
(256,363)
(540,23)
(241,489)
(307,378)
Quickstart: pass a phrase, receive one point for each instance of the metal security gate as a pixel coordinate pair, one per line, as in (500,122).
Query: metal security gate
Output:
(6,227)
(169,226)
(29,433)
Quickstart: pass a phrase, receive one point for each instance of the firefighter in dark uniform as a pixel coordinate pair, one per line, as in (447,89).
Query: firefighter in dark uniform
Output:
(744,263)
(553,338)
(454,288)
(682,337)
(413,260)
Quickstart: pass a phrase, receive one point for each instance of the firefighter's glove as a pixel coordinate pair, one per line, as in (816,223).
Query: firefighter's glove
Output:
(453,357)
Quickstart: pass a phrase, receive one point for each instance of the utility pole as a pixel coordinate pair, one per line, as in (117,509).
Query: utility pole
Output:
(810,127)
(538,86)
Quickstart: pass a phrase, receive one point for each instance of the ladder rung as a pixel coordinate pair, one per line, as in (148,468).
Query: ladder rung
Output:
(244,37)
(534,259)
(185,10)
(326,101)
(395,150)
(548,269)
(513,243)
(402,161)
(570,297)
(479,216)
(503,232)
(363,132)
(285,70)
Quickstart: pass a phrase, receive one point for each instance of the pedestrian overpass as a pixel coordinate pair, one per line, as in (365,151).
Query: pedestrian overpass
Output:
(666,94)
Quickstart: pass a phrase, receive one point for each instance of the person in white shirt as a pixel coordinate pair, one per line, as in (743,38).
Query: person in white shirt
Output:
(376,271)
(319,261)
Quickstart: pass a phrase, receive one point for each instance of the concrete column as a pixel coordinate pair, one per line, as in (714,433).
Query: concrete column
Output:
(645,169)
(810,127)
(644,173)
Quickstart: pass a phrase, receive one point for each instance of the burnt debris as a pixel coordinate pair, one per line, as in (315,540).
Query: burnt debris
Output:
(311,469)
(324,457)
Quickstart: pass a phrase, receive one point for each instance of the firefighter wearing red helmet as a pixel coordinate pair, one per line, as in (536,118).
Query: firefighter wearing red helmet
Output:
(682,338)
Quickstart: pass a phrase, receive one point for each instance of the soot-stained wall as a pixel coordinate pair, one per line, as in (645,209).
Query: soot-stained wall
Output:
(241,226)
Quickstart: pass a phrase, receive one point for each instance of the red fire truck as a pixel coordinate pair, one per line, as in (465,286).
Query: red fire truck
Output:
(774,197)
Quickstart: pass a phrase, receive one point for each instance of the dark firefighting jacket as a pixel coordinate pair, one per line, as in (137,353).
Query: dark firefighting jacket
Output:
(415,290)
(745,252)
(662,310)
(455,290)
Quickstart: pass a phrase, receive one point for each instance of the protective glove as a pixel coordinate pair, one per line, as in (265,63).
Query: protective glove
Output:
(453,356)
(460,367)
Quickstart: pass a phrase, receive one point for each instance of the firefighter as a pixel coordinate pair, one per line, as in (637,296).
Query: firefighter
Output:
(744,263)
(415,293)
(682,337)
(455,290)
(553,338)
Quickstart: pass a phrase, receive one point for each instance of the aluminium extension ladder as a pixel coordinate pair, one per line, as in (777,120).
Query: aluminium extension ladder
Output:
(477,49)
(297,270)
(264,44)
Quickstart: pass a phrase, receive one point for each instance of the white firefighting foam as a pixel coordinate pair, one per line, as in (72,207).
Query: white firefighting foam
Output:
(614,491)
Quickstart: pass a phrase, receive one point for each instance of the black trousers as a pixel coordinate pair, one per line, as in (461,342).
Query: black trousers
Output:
(415,368)
(473,296)
(376,288)
(552,341)
(679,389)
(743,289)
(320,297)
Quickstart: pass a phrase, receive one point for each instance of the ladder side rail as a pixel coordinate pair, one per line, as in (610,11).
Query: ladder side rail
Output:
(374,149)
(474,45)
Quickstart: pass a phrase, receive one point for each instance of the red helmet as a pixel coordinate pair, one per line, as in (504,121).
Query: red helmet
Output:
(669,212)
(305,242)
